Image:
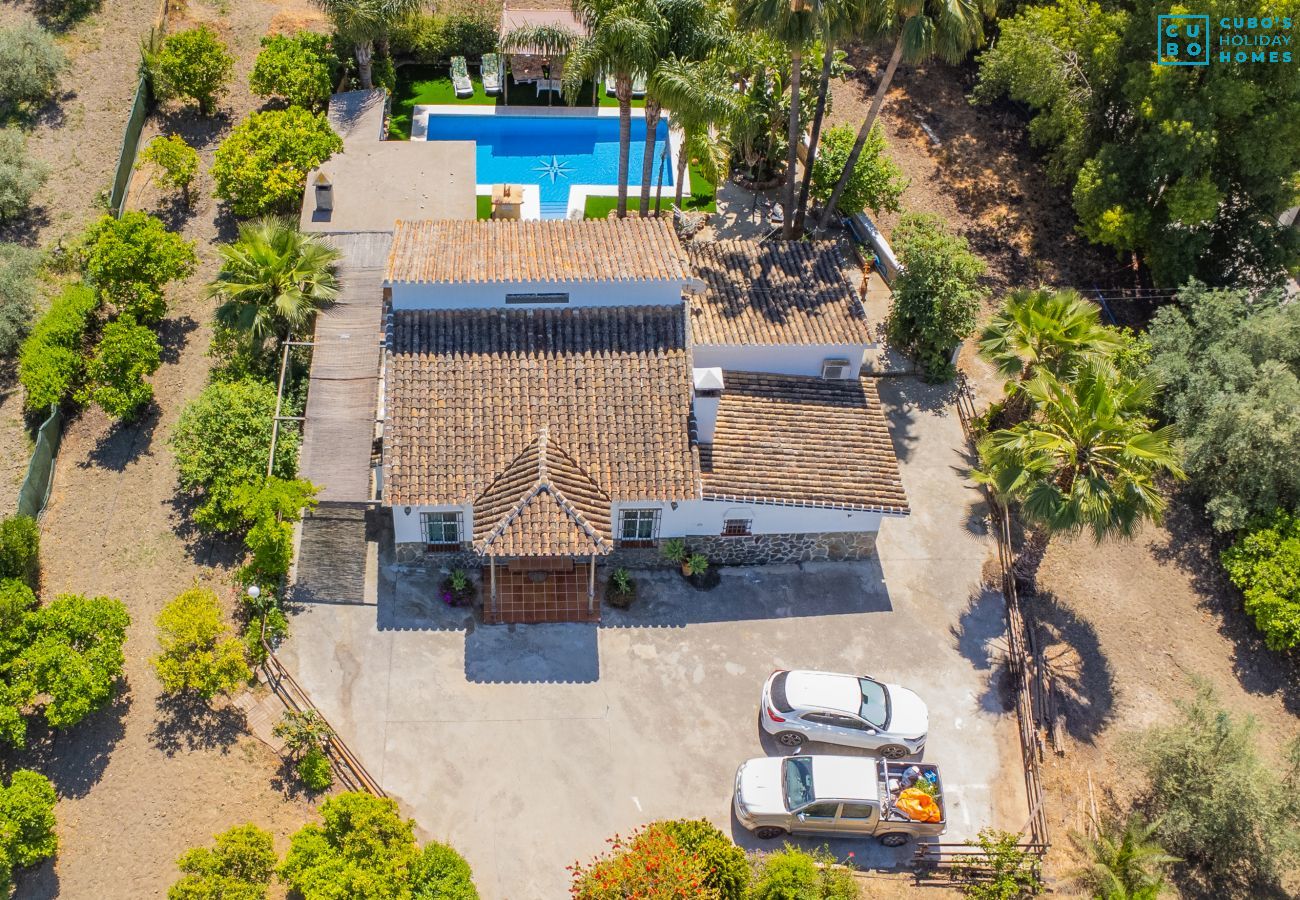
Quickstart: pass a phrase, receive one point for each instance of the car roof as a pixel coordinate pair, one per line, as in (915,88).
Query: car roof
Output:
(845,778)
(805,689)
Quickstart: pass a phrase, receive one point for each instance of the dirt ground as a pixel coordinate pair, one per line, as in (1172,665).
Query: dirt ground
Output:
(142,781)
(1126,627)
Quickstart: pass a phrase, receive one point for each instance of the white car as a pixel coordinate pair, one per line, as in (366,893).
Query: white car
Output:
(850,710)
(849,796)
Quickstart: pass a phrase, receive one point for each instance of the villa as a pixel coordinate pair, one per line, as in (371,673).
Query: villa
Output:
(535,400)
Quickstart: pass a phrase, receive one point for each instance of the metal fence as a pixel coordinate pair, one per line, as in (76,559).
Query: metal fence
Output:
(40,470)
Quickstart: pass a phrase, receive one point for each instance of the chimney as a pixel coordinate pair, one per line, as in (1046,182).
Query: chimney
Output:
(708,394)
(324,193)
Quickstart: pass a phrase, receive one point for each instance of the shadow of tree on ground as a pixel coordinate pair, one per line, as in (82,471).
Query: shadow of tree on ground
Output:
(1083,677)
(1192,545)
(190,723)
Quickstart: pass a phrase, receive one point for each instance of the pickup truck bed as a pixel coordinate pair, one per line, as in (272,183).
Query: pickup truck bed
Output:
(893,819)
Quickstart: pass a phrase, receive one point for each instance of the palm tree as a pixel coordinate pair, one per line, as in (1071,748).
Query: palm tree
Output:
(1125,862)
(623,37)
(361,23)
(272,279)
(1088,459)
(695,29)
(541,40)
(696,103)
(794,23)
(1042,328)
(921,29)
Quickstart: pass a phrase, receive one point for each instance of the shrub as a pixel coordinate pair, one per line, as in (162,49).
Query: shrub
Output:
(191,65)
(20,550)
(650,864)
(271,508)
(26,824)
(238,868)
(126,354)
(75,658)
(51,364)
(263,165)
(314,771)
(673,550)
(936,296)
(1122,861)
(200,653)
(725,865)
(696,564)
(303,732)
(32,63)
(440,873)
(222,442)
(21,175)
(794,874)
(363,848)
(877,182)
(130,260)
(1265,563)
(300,68)
(175,163)
(1230,364)
(1220,806)
(463,29)
(18,268)
(1000,871)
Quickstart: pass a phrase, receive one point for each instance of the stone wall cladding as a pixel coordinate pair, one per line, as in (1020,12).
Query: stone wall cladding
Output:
(751,550)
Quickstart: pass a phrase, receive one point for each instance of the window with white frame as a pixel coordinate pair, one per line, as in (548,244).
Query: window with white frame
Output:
(441,530)
(638,527)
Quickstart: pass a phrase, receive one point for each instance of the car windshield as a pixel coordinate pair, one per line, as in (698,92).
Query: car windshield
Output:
(875,703)
(798,781)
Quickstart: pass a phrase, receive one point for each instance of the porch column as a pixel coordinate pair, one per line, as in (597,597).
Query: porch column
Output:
(591,583)
(492,575)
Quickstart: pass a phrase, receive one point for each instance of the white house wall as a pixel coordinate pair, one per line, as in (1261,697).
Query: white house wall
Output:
(786,359)
(488,296)
(406,526)
(705,517)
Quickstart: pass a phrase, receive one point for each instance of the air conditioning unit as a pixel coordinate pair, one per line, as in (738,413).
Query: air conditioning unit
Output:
(835,369)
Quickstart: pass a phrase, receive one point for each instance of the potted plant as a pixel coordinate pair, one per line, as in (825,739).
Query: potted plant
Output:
(698,574)
(674,550)
(457,589)
(621,590)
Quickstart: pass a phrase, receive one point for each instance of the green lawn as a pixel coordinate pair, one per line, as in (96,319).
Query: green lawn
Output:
(702,199)
(484,206)
(431,85)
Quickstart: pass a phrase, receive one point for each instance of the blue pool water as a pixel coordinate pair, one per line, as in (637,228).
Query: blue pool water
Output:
(555,152)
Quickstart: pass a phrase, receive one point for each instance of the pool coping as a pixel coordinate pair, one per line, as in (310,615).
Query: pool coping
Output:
(578,193)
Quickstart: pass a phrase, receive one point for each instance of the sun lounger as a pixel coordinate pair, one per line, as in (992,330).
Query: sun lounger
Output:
(460,77)
(491,73)
(638,86)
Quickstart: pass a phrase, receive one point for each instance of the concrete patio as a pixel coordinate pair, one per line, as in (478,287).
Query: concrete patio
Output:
(526,747)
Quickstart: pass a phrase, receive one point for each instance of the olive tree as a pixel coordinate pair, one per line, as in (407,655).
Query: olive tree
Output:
(32,63)
(21,175)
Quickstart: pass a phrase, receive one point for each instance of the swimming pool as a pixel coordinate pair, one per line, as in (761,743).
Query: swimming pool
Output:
(554,152)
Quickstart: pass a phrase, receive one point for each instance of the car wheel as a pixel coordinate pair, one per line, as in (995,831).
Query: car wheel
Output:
(790,739)
(893,839)
(769,832)
(894,751)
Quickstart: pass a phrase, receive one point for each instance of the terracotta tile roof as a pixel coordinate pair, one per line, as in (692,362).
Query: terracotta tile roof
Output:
(487,251)
(803,441)
(543,504)
(469,390)
(774,292)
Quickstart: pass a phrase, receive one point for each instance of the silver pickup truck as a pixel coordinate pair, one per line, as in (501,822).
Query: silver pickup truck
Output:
(830,795)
